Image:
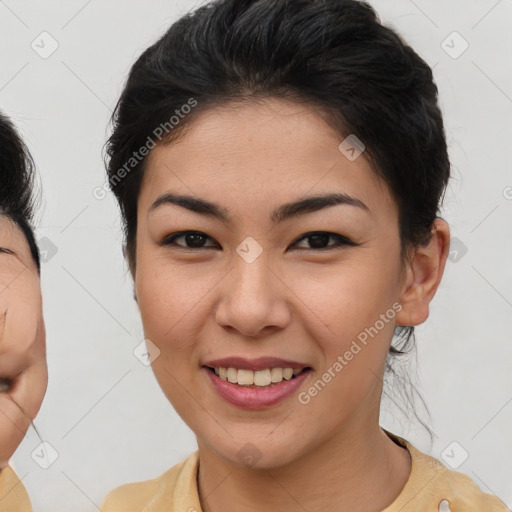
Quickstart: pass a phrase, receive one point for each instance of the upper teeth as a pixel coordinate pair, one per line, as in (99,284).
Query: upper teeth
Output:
(258,377)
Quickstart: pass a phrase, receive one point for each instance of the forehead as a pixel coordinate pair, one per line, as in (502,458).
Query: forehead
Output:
(270,151)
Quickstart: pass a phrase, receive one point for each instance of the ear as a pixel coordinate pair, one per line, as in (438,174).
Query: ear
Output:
(422,275)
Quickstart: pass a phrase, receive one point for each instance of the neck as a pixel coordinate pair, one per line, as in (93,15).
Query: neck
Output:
(355,470)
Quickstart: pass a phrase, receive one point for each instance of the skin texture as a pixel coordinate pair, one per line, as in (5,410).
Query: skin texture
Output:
(308,306)
(22,339)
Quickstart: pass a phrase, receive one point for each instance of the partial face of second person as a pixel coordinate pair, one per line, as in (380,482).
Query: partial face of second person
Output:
(296,300)
(22,338)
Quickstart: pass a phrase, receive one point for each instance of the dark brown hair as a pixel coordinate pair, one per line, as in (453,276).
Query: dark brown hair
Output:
(17,171)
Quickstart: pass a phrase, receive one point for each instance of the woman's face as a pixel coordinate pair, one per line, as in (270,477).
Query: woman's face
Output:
(255,286)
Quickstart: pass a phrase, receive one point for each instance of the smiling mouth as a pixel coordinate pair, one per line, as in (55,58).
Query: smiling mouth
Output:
(267,378)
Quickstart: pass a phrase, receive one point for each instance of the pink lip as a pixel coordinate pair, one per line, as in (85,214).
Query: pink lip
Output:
(260,363)
(253,398)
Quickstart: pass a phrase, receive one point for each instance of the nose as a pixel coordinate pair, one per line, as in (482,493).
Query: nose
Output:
(254,298)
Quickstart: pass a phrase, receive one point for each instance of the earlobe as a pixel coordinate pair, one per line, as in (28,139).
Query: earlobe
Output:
(423,273)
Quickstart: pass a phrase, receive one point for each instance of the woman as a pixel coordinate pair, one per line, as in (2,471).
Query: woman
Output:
(279,166)
(23,370)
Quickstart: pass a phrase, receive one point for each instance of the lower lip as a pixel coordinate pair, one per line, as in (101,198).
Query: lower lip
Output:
(254,398)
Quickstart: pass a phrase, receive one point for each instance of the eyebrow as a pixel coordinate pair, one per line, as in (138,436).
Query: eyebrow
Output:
(284,212)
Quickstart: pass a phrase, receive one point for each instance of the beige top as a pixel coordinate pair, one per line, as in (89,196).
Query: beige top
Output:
(429,483)
(431,487)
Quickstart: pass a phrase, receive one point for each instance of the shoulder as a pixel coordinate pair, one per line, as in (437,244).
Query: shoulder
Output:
(138,496)
(462,493)
(13,495)
(448,490)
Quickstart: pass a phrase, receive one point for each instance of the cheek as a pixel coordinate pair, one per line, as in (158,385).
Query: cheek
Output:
(169,298)
(353,340)
(355,305)
(351,296)
(166,301)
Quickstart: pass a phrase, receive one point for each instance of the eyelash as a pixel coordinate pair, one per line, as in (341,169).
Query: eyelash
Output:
(169,240)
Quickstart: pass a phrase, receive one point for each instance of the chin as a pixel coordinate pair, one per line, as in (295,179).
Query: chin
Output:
(258,454)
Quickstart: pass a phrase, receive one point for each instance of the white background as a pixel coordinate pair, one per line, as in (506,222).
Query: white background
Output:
(103,412)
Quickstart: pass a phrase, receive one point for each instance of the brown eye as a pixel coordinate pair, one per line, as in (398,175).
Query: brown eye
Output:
(193,240)
(319,240)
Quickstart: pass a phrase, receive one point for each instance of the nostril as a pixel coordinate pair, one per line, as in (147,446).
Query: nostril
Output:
(5,384)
